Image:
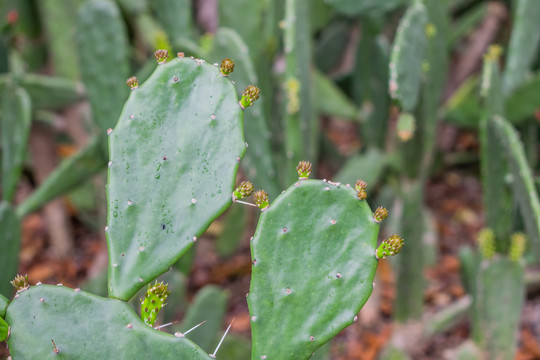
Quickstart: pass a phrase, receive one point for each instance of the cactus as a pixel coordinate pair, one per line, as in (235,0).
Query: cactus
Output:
(58,18)
(498,312)
(300,124)
(174,155)
(3,305)
(409,300)
(48,92)
(70,173)
(331,100)
(105,328)
(15,120)
(103,47)
(363,7)
(523,182)
(10,243)
(370,84)
(523,45)
(497,197)
(175,17)
(407,56)
(315,238)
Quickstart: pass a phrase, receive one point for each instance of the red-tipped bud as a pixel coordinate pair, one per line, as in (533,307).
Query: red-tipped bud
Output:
(304,169)
(243,190)
(132,82)
(161,55)
(227,67)
(389,247)
(360,185)
(261,199)
(380,214)
(250,94)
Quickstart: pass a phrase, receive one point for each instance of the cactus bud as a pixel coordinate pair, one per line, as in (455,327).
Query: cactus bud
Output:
(406,125)
(389,247)
(261,199)
(360,185)
(227,67)
(249,96)
(243,190)
(304,169)
(380,214)
(517,246)
(161,56)
(493,53)
(154,300)
(132,82)
(486,243)
(20,282)
(360,188)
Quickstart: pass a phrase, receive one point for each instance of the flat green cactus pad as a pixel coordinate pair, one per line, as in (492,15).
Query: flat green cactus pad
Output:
(174,156)
(86,326)
(313,268)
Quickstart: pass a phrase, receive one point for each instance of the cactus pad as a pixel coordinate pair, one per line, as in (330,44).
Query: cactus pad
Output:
(85,326)
(174,156)
(313,257)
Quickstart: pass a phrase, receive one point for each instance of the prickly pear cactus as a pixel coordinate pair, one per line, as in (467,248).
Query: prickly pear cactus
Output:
(86,326)
(313,257)
(174,156)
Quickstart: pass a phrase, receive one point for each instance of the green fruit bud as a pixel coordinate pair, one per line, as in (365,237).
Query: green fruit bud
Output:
(249,96)
(261,199)
(517,246)
(380,214)
(227,67)
(243,190)
(486,243)
(389,247)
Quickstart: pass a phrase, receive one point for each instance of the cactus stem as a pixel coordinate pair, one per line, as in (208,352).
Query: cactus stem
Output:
(55,348)
(222,338)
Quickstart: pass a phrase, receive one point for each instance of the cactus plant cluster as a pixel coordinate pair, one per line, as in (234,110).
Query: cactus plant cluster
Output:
(187,110)
(249,100)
